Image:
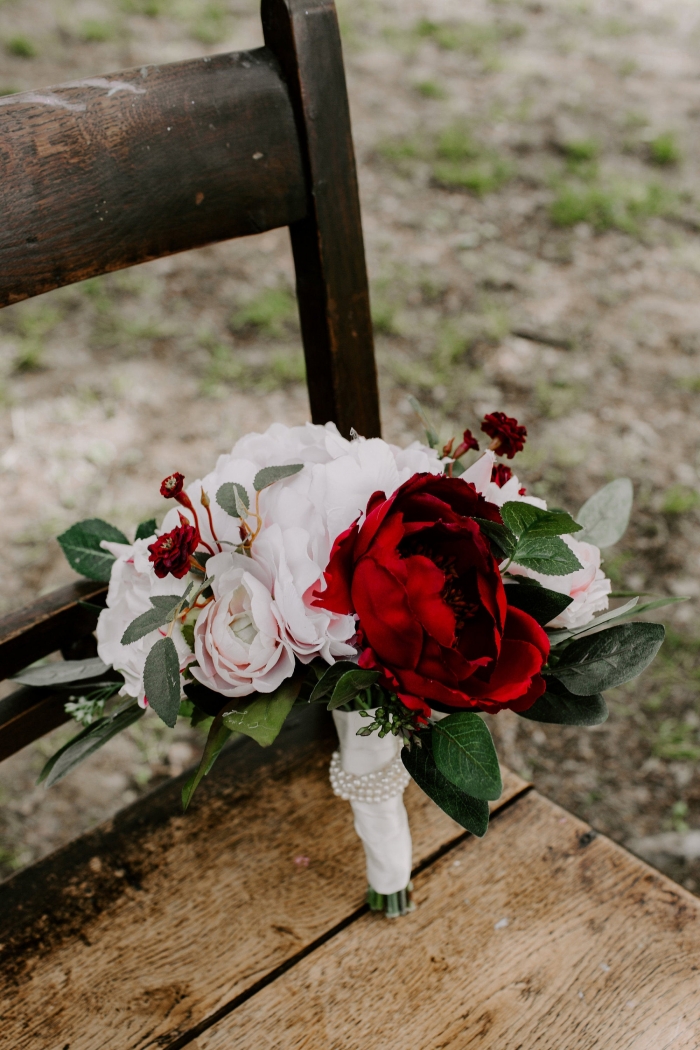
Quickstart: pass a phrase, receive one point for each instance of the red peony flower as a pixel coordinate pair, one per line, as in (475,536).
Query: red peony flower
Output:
(432,609)
(172,551)
(172,485)
(508,436)
(500,474)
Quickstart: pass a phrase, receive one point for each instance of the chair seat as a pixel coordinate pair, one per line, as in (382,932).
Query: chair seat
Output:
(242,924)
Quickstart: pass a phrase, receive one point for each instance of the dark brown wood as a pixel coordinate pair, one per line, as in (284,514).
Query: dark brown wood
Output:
(328,246)
(109,171)
(141,931)
(48,624)
(28,714)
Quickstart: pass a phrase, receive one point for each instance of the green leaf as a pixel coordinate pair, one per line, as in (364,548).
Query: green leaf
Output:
(606,514)
(595,625)
(350,685)
(463,751)
(218,735)
(328,680)
(61,673)
(498,534)
(233,498)
(269,475)
(264,717)
(560,707)
(523,518)
(608,659)
(81,546)
(146,529)
(160,614)
(537,601)
(546,554)
(88,741)
(431,436)
(161,680)
(471,813)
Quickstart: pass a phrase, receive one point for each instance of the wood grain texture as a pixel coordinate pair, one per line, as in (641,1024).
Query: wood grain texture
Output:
(109,171)
(539,937)
(328,246)
(143,929)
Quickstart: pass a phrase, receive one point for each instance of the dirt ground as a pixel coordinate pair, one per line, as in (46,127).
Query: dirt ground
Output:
(529,180)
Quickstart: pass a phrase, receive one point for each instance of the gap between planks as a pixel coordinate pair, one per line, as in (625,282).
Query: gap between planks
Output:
(187,1038)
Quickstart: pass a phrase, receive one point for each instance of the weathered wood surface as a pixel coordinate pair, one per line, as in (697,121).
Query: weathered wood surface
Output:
(109,171)
(328,248)
(140,932)
(541,937)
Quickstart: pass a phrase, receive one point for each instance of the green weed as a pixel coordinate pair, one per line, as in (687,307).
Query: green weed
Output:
(284,370)
(675,741)
(6,89)
(384,317)
(92,31)
(618,206)
(430,89)
(480,177)
(473,38)
(272,313)
(664,150)
(21,47)
(578,150)
(680,499)
(210,26)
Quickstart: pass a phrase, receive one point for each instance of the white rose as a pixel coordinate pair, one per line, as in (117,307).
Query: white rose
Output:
(239,640)
(589,587)
(131,584)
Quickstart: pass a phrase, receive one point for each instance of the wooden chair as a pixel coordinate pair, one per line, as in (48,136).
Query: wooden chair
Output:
(241,923)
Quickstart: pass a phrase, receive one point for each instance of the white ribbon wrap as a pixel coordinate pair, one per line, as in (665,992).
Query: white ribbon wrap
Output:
(382,825)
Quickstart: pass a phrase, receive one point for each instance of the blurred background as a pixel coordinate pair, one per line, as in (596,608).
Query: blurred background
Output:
(529,173)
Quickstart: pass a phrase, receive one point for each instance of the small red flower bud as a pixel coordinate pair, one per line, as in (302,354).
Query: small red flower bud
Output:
(172,485)
(171,552)
(522,491)
(468,442)
(500,474)
(508,436)
(204,499)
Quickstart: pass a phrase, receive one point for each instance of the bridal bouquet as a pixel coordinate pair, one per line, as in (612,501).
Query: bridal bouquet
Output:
(405,590)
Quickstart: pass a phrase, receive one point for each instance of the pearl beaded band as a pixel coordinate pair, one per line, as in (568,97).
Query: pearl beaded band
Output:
(372,787)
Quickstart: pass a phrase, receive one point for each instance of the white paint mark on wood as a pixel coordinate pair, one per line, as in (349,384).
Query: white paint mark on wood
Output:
(46,98)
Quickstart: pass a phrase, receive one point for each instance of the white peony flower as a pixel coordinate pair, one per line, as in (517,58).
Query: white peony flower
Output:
(240,640)
(131,584)
(479,474)
(589,587)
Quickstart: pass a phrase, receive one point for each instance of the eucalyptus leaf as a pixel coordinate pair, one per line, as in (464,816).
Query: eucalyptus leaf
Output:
(160,614)
(560,707)
(161,680)
(606,514)
(61,673)
(88,741)
(608,659)
(471,813)
(233,498)
(538,602)
(269,475)
(463,751)
(146,529)
(81,546)
(264,717)
(218,735)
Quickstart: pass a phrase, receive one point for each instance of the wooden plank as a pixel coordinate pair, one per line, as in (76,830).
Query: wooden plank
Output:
(110,171)
(541,937)
(141,931)
(328,247)
(50,623)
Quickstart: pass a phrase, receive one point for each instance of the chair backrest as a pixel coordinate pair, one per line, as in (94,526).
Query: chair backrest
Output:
(106,172)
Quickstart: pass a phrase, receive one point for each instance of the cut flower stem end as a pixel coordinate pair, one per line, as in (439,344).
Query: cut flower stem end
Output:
(392,904)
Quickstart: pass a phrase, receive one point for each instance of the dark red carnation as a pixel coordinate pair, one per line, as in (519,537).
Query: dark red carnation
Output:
(468,442)
(172,485)
(508,436)
(172,551)
(431,604)
(500,473)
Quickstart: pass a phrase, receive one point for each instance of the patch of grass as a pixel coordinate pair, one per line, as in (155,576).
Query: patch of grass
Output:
(6,89)
(223,368)
(680,499)
(581,157)
(430,89)
(149,8)
(464,164)
(21,47)
(93,31)
(557,399)
(284,370)
(676,741)
(679,811)
(384,316)
(621,206)
(272,313)
(32,326)
(478,39)
(664,150)
(210,26)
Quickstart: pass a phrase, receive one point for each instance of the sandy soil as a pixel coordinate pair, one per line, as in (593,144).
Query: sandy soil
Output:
(529,183)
